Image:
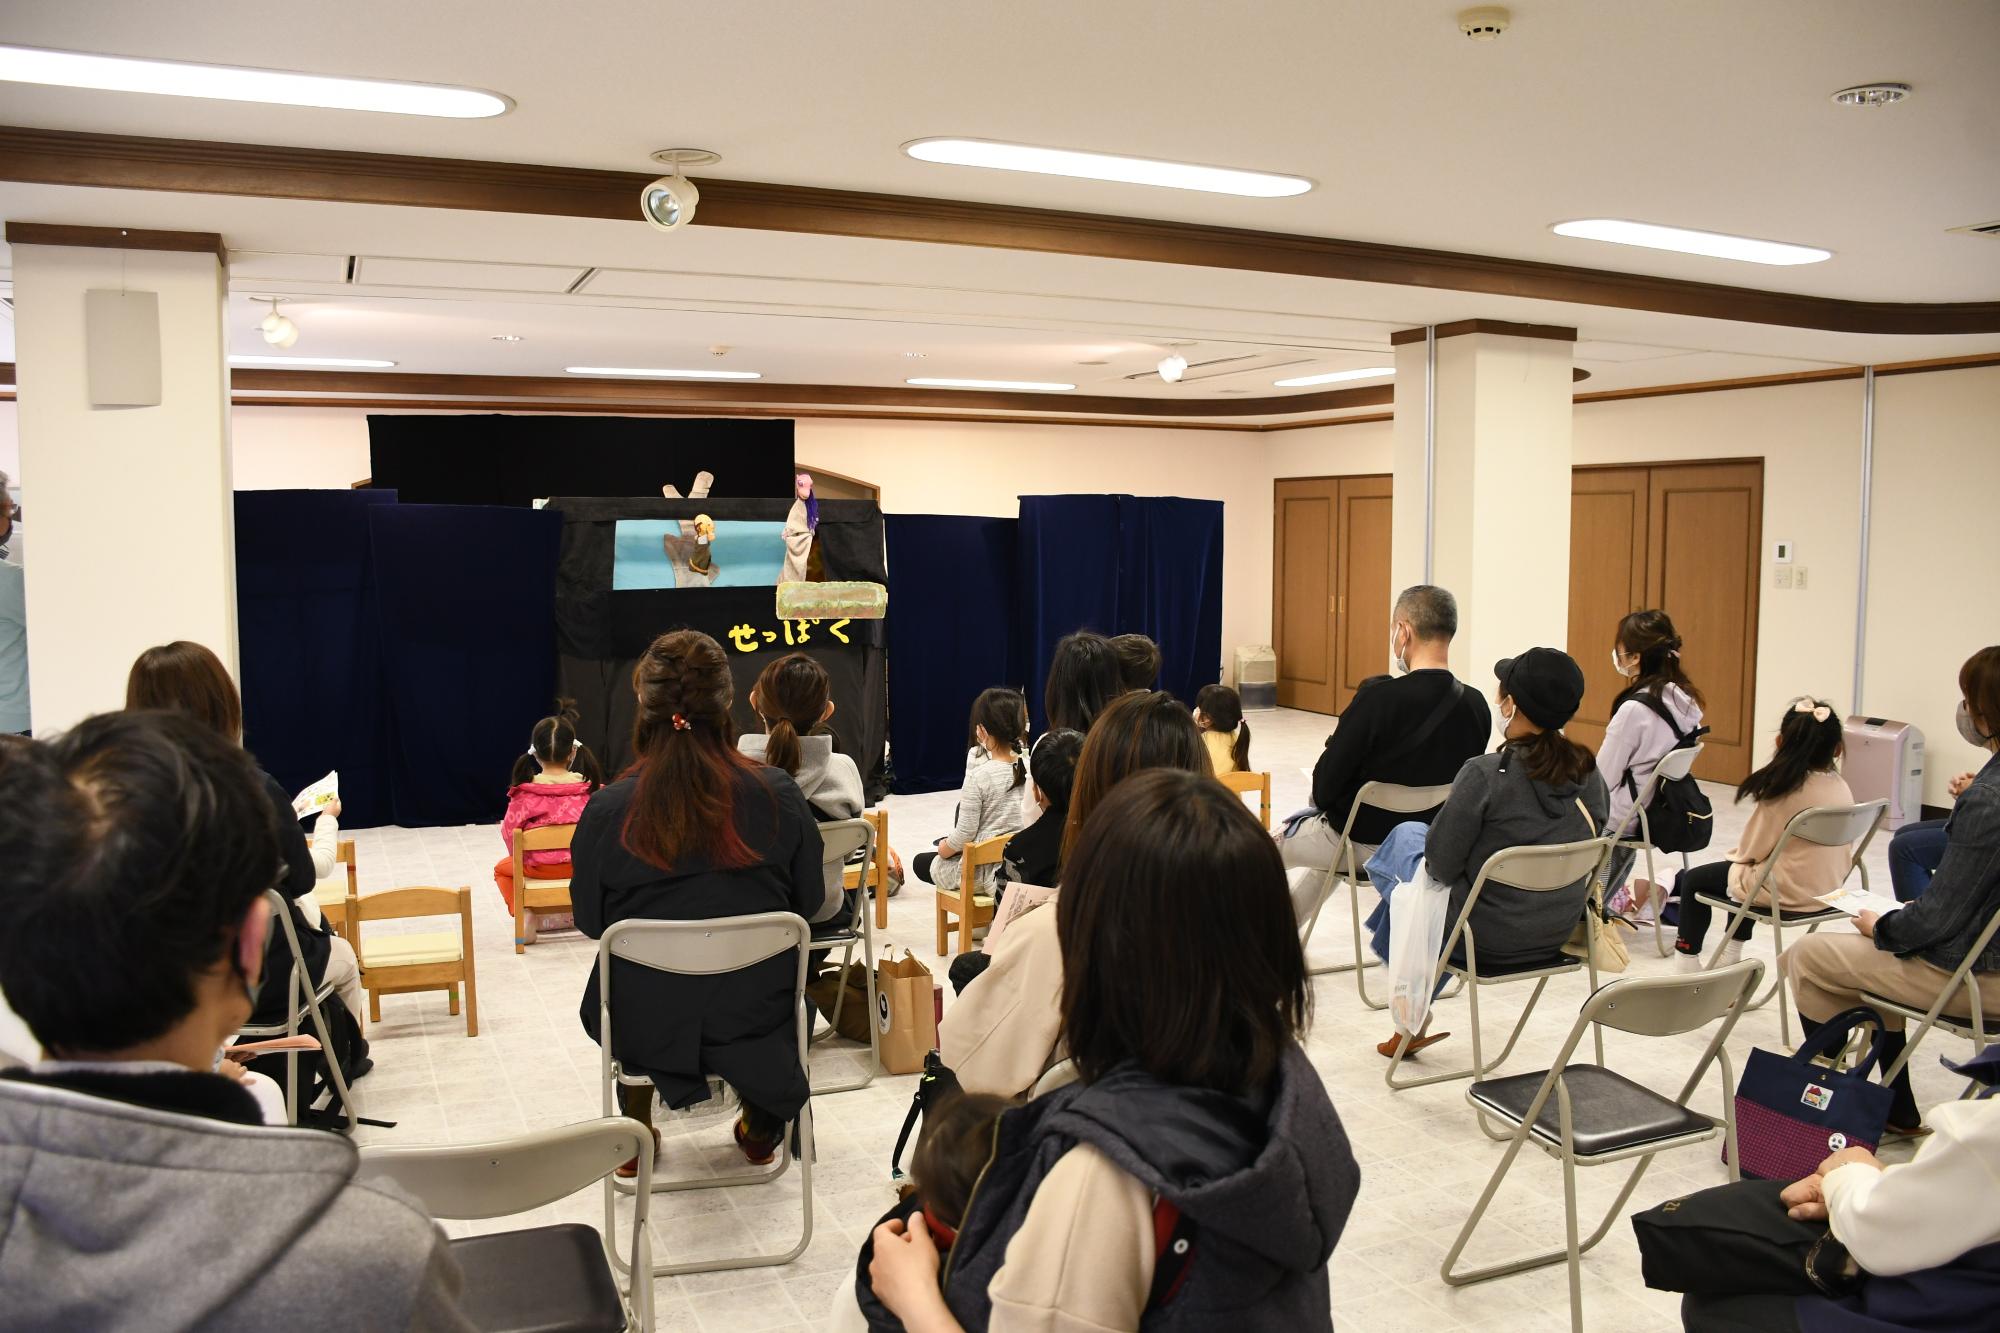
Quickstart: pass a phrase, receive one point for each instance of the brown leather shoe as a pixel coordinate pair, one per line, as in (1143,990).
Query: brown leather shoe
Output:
(631,1167)
(1388,1048)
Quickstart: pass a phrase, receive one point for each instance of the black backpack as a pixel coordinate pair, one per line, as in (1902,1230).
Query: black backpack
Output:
(1679,817)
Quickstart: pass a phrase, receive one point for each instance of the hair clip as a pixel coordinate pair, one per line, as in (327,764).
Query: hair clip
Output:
(1820,712)
(531,750)
(575,744)
(682,724)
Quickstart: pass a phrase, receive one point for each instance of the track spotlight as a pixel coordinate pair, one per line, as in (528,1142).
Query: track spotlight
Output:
(669,202)
(277,330)
(1172,367)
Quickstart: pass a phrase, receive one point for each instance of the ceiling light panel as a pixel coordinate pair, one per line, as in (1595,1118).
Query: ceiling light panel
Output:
(1105,167)
(1335,377)
(1712,244)
(1024,386)
(653,373)
(235,83)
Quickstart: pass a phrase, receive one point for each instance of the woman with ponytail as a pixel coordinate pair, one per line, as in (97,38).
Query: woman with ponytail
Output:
(695,830)
(793,700)
(1218,715)
(1801,775)
(550,784)
(1658,707)
(995,778)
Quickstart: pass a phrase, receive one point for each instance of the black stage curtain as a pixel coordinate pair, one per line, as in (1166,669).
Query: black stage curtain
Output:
(601,633)
(465,597)
(1122,564)
(954,579)
(309,645)
(500,459)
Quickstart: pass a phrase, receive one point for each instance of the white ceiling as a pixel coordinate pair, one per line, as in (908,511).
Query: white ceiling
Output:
(1702,113)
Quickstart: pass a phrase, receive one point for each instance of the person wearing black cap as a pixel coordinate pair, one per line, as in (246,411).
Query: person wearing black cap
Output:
(1539,788)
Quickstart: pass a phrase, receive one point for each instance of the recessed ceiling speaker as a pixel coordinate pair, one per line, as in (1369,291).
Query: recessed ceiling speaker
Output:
(668,203)
(1483,23)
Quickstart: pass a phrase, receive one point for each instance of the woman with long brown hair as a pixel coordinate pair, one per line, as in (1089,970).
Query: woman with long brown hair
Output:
(1004,1030)
(696,830)
(1658,710)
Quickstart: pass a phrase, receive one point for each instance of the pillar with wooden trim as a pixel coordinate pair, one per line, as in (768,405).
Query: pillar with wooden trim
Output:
(1498,483)
(123,384)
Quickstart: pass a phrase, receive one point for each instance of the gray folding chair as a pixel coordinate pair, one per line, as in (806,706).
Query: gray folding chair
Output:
(1677,764)
(1346,865)
(1587,1115)
(1533,870)
(1828,826)
(842,838)
(537,1278)
(1971,1024)
(302,996)
(706,949)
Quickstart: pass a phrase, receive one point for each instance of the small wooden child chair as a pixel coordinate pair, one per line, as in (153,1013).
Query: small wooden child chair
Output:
(878,868)
(1245,783)
(972,909)
(333,892)
(403,964)
(537,895)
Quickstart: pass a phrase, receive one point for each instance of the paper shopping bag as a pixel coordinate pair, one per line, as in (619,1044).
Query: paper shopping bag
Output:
(905,1016)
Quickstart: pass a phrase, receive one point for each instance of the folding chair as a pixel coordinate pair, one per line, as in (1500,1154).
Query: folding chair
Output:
(537,895)
(559,1276)
(1971,1024)
(1533,870)
(842,838)
(1377,796)
(1673,768)
(1828,826)
(706,949)
(877,880)
(972,908)
(1587,1115)
(1245,783)
(301,995)
(427,961)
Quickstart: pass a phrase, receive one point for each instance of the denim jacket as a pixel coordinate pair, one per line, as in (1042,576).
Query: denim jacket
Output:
(1941,926)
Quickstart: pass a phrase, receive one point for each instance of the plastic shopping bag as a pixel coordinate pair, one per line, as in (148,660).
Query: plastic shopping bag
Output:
(1417,911)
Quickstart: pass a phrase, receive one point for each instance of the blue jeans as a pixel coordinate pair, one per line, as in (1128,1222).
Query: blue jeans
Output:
(1395,862)
(1914,854)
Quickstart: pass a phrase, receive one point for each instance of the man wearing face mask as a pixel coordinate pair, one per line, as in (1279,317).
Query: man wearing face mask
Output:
(1415,728)
(143,1189)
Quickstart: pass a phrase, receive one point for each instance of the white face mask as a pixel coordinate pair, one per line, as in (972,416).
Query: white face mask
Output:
(1399,663)
(1618,664)
(1968,730)
(1507,716)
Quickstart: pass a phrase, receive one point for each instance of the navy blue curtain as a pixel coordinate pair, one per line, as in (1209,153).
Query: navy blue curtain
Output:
(307,640)
(465,597)
(952,611)
(1122,564)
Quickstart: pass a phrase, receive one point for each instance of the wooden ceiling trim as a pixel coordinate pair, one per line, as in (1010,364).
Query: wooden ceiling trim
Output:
(62,157)
(116,238)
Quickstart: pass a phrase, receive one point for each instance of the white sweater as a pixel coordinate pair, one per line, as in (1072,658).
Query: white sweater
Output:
(1928,1211)
(1637,739)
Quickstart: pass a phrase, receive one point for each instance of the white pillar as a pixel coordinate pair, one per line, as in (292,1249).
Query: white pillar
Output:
(134,527)
(1501,484)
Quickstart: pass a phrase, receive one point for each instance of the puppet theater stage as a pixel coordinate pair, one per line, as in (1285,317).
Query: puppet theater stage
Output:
(409,633)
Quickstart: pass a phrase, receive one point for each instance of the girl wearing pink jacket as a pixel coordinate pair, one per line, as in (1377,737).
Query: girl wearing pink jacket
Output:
(550,785)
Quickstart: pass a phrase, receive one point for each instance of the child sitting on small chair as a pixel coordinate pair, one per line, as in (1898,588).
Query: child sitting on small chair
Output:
(1218,716)
(549,785)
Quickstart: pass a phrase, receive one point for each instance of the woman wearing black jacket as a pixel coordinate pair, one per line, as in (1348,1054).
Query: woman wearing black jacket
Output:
(696,830)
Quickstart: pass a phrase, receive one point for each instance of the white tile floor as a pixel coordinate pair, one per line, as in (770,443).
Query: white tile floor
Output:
(1424,1159)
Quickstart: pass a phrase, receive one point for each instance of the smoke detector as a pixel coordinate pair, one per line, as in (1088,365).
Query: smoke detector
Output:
(1872,94)
(1483,23)
(720,349)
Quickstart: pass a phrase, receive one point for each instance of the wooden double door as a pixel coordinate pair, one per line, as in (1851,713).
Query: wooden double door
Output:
(1330,605)
(1685,537)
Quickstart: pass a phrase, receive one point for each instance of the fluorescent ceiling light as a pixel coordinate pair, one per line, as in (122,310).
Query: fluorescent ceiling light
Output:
(331,362)
(1714,244)
(234,83)
(1334,377)
(1105,167)
(646,373)
(1029,386)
